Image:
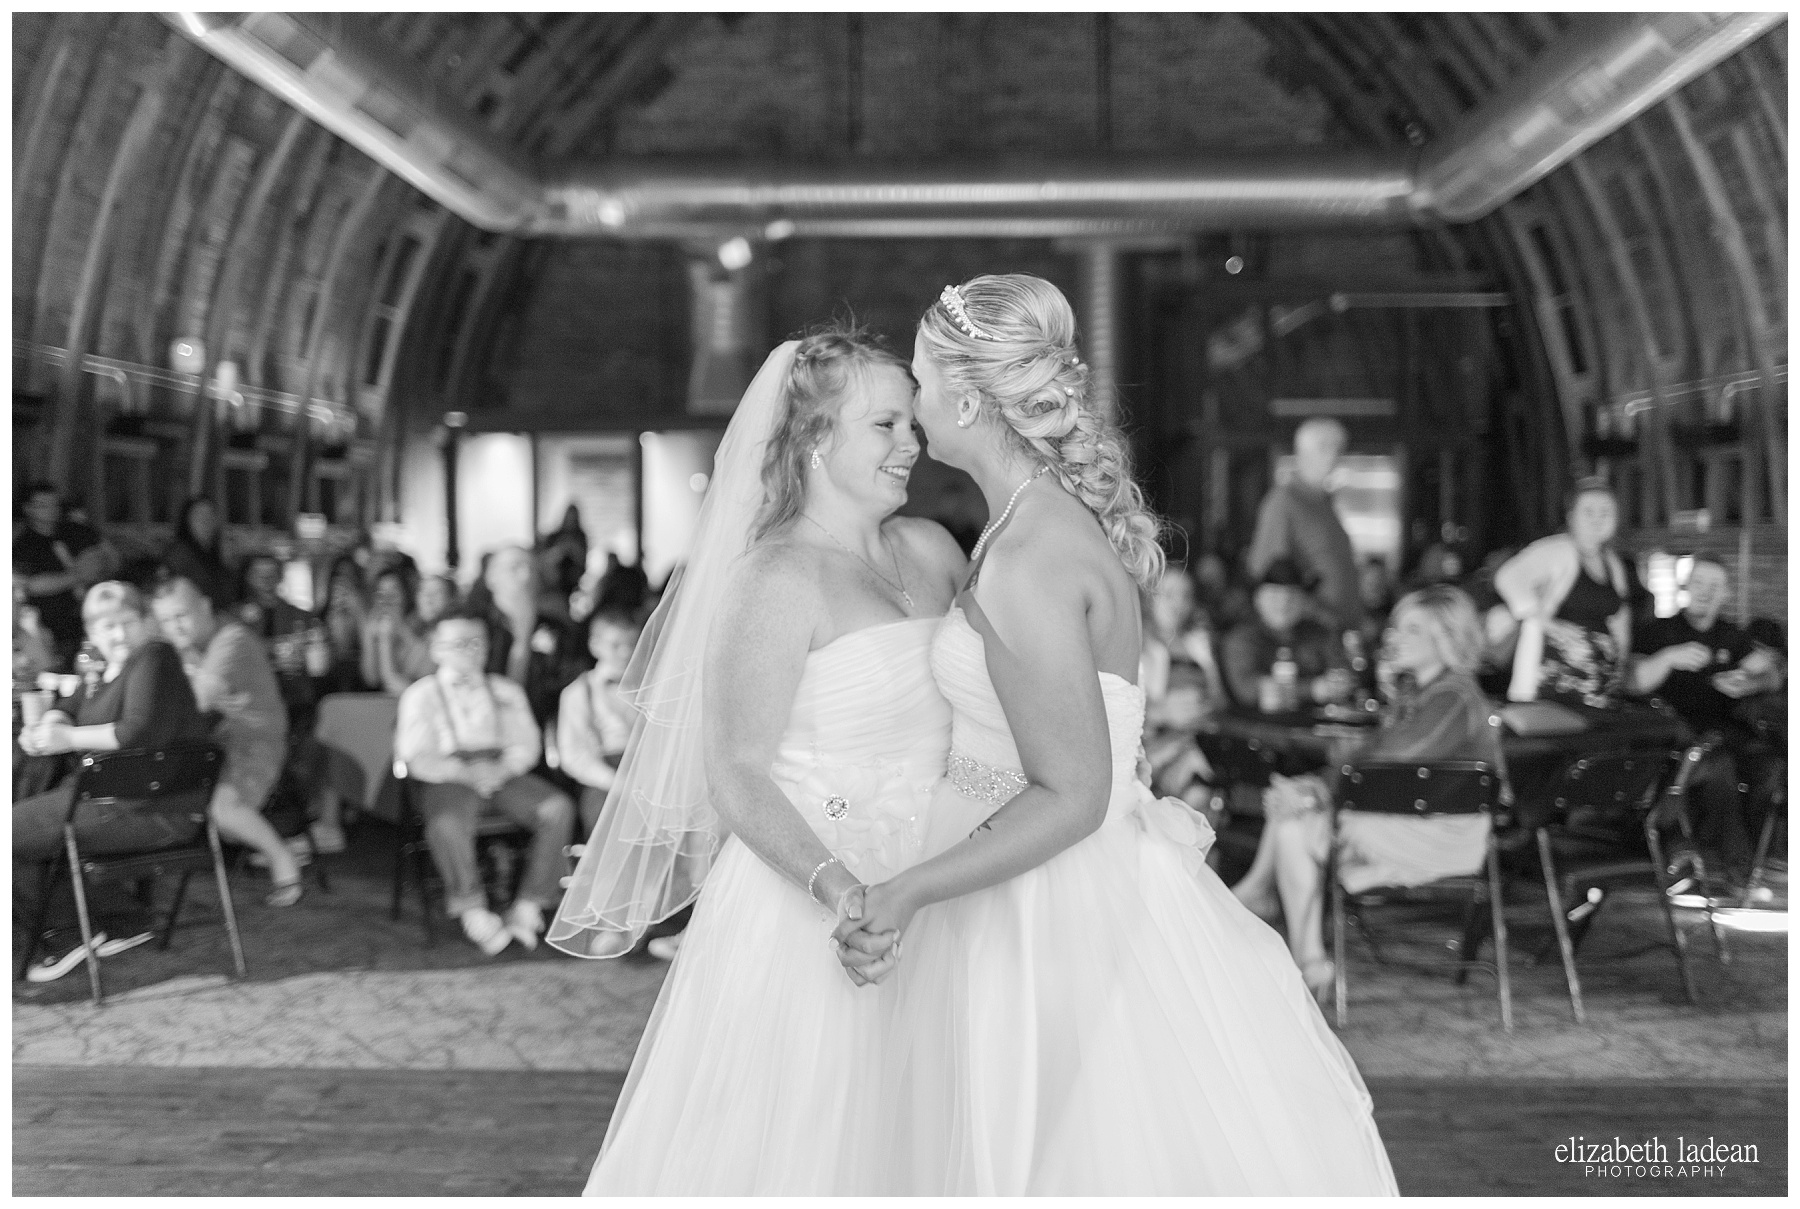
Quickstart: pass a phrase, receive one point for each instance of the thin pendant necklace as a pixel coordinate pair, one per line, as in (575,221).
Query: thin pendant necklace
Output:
(982,541)
(898,587)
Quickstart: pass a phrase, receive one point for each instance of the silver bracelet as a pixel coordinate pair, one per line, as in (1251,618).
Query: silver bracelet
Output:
(811,881)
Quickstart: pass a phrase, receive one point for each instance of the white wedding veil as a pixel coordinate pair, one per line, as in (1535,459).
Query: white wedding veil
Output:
(657,838)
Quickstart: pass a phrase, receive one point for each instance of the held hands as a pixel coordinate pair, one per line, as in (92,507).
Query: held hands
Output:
(871,921)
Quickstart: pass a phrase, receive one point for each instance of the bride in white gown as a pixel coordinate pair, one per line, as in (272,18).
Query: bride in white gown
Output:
(1083,1007)
(785,696)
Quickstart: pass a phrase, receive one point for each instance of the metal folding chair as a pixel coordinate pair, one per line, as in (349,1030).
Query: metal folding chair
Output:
(1609,811)
(1422,789)
(176,782)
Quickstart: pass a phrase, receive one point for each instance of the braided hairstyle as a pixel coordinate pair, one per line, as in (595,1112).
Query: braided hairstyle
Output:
(1027,371)
(831,362)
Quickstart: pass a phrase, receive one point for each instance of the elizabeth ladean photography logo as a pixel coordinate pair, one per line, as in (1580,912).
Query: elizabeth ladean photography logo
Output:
(1615,1158)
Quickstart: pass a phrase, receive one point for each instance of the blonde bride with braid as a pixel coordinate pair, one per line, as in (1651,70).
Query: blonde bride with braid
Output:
(1079,1006)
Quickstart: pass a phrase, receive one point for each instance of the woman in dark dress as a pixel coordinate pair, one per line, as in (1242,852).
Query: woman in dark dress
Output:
(1570,594)
(141,700)
(196,554)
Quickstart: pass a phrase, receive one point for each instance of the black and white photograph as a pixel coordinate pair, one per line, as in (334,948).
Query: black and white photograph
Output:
(907,603)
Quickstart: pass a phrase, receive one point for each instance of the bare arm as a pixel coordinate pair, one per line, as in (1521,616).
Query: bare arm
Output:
(754,661)
(1041,662)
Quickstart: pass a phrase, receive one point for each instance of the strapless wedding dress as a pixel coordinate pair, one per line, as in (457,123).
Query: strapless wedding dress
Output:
(1113,1021)
(758,1069)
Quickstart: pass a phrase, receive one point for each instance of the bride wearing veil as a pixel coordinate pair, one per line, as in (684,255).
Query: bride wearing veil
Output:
(788,740)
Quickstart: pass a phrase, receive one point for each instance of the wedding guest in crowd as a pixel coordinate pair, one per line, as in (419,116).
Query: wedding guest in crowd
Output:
(231,677)
(1182,686)
(34,649)
(396,648)
(1297,521)
(196,552)
(1705,668)
(437,596)
(593,724)
(539,651)
(1439,714)
(566,554)
(56,561)
(1569,595)
(141,700)
(468,738)
(1253,648)
(345,612)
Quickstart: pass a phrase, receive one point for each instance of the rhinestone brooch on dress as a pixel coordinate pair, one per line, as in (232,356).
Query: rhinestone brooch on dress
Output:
(836,807)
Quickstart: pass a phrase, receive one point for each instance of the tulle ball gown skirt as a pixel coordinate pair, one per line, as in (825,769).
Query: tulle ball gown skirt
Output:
(1114,1022)
(755,1070)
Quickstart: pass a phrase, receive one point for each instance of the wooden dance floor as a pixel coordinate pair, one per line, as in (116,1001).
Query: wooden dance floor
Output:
(210,1131)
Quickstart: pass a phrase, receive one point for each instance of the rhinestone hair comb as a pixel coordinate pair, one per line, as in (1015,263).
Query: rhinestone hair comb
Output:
(952,301)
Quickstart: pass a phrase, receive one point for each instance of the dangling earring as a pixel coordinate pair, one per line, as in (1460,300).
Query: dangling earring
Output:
(817,461)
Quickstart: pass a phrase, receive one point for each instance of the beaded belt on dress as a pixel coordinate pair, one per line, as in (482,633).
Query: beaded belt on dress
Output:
(984,782)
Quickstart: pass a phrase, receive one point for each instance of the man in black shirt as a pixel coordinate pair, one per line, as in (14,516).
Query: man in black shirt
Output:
(56,561)
(1704,667)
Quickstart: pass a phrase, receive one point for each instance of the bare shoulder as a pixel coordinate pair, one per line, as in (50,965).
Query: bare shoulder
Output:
(775,582)
(927,541)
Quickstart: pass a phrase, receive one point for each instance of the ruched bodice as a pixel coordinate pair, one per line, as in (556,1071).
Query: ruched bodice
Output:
(978,727)
(864,742)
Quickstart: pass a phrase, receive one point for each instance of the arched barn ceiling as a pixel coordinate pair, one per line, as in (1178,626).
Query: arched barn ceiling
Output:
(160,199)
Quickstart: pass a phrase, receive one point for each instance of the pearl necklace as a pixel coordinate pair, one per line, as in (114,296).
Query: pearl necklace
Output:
(982,541)
(898,587)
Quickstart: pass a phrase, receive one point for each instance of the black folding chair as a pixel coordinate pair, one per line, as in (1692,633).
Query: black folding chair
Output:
(1420,789)
(174,782)
(1607,814)
(494,834)
(1240,763)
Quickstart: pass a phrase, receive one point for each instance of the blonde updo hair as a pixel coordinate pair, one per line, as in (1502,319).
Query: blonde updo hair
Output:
(831,362)
(1032,377)
(1456,629)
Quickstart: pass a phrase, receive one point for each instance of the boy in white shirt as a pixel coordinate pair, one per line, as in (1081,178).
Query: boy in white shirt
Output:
(469,740)
(593,721)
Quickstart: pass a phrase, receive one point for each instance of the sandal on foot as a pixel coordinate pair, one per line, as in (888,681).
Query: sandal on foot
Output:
(285,895)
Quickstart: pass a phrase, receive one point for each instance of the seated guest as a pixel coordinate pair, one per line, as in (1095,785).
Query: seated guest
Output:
(1252,648)
(232,678)
(594,723)
(284,628)
(345,613)
(196,553)
(55,560)
(535,649)
(469,740)
(1569,595)
(1704,667)
(395,649)
(141,700)
(437,596)
(295,643)
(1439,713)
(34,648)
(1181,685)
